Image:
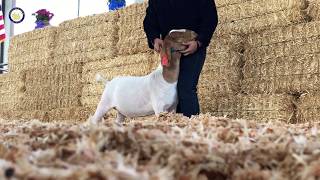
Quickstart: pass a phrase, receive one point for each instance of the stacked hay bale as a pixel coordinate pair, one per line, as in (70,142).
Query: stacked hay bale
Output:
(50,89)
(223,71)
(11,90)
(248,16)
(27,51)
(283,62)
(220,78)
(314,10)
(32,49)
(86,39)
(132,38)
(308,107)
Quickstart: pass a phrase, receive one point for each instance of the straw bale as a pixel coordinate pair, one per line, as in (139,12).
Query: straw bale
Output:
(281,84)
(132,42)
(11,88)
(52,87)
(226,58)
(32,56)
(308,107)
(225,43)
(221,74)
(84,57)
(131,21)
(309,100)
(266,21)
(145,58)
(132,38)
(255,8)
(72,47)
(304,64)
(297,83)
(41,115)
(265,102)
(47,74)
(9,101)
(39,45)
(18,67)
(58,90)
(37,34)
(218,105)
(23,115)
(10,77)
(93,89)
(314,10)
(42,102)
(220,80)
(70,114)
(135,46)
(260,85)
(96,19)
(90,100)
(219,86)
(108,29)
(285,49)
(137,69)
(267,107)
(284,34)
(222,3)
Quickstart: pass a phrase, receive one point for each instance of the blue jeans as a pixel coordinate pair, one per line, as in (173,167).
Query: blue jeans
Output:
(190,69)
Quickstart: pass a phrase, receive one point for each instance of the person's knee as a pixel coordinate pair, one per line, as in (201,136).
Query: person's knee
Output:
(187,92)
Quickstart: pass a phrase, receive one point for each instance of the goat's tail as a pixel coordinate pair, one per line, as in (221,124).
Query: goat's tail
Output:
(100,78)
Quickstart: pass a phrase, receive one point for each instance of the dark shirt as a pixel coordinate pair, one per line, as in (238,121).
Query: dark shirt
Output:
(164,15)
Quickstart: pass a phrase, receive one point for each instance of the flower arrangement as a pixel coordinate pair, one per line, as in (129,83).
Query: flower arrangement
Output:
(116,4)
(43,17)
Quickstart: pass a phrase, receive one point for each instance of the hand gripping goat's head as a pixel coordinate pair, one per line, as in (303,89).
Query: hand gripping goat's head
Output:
(173,44)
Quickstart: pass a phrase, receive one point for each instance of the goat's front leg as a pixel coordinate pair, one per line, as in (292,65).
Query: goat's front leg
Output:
(173,108)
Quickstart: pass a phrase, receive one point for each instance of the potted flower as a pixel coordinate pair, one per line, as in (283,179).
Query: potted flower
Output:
(43,18)
(116,4)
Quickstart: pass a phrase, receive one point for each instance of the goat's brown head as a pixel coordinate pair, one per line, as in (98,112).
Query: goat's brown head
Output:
(173,44)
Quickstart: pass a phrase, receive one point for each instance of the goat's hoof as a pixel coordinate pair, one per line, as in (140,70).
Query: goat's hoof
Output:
(162,114)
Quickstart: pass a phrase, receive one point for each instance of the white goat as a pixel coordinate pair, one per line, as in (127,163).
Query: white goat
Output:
(154,93)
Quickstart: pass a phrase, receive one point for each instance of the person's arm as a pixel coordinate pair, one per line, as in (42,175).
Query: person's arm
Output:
(151,25)
(209,22)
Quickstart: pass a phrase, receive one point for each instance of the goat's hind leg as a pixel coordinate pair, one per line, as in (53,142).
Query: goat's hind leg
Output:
(103,107)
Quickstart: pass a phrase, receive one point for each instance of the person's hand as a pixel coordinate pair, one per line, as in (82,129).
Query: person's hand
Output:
(192,47)
(158,44)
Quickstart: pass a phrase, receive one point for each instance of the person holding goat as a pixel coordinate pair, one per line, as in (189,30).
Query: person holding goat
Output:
(199,16)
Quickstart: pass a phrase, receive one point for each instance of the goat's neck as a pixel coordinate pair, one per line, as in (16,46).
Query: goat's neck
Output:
(171,73)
